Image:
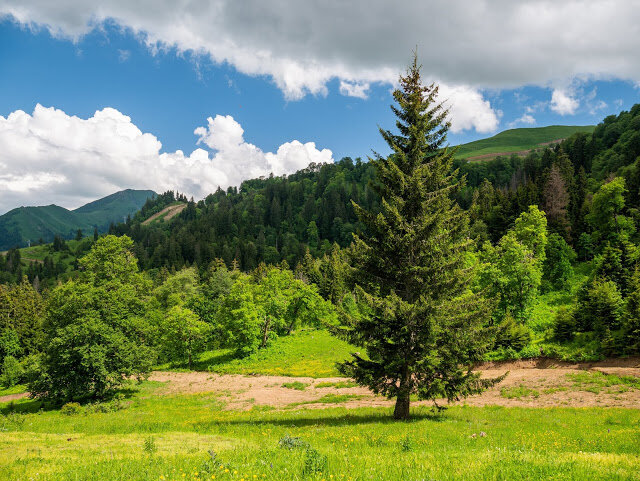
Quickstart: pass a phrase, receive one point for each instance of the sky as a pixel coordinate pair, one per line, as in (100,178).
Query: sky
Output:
(188,95)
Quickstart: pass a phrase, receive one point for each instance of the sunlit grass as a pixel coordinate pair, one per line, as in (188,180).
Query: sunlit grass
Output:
(193,437)
(6,391)
(308,353)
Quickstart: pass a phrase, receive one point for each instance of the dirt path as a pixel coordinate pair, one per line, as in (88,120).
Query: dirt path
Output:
(167,212)
(531,383)
(525,385)
(13,397)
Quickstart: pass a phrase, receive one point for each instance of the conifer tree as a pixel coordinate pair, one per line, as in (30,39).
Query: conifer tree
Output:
(425,328)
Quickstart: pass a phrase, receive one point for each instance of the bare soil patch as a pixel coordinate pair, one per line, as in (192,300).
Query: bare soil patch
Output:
(13,397)
(527,384)
(167,212)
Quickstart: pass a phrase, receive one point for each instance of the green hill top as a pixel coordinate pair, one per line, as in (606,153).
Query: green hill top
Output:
(518,141)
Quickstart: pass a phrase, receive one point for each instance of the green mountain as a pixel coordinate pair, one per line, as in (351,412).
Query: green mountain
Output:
(518,141)
(24,224)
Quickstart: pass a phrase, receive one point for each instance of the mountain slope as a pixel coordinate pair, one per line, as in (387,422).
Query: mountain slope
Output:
(517,141)
(114,207)
(24,224)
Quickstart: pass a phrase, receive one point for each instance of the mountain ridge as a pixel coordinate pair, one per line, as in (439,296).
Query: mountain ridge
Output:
(26,224)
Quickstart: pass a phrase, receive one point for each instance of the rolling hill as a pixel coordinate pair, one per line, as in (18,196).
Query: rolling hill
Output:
(518,141)
(24,224)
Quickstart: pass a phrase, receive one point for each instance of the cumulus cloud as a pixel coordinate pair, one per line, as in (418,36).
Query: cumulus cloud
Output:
(354,89)
(526,119)
(468,109)
(51,157)
(563,103)
(304,45)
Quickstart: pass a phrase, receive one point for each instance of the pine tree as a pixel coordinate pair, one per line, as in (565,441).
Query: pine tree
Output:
(425,329)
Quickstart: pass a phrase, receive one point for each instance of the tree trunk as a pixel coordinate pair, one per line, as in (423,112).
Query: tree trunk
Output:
(403,398)
(265,332)
(401,410)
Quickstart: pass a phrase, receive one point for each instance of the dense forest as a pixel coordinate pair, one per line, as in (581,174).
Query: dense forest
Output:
(280,218)
(556,228)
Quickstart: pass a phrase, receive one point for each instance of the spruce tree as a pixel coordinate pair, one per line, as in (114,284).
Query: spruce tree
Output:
(424,328)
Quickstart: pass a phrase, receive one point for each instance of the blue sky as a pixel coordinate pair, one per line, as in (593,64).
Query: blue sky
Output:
(300,85)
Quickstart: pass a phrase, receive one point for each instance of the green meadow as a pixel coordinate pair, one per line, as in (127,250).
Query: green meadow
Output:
(516,140)
(304,353)
(146,436)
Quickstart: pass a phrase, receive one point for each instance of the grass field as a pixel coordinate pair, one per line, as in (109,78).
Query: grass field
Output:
(192,437)
(302,354)
(516,140)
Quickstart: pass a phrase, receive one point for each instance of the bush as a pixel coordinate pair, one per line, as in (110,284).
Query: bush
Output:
(71,409)
(12,372)
(511,334)
(564,324)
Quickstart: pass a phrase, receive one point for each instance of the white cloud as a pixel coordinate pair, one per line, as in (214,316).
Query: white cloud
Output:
(51,157)
(123,55)
(595,107)
(563,103)
(526,119)
(354,89)
(468,109)
(304,45)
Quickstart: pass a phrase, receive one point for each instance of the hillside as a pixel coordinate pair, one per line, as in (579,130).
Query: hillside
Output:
(166,214)
(114,207)
(518,141)
(24,224)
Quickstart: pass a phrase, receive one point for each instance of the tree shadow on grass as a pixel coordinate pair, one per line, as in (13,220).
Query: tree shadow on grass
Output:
(207,361)
(328,418)
(31,405)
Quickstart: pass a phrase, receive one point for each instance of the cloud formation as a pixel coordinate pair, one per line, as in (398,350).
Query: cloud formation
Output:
(526,119)
(467,46)
(563,103)
(51,157)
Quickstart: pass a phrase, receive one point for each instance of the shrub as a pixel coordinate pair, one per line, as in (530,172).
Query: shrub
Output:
(564,324)
(314,462)
(289,442)
(511,334)
(71,409)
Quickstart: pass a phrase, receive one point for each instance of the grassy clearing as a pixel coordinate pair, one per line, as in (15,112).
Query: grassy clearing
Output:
(6,391)
(190,437)
(596,382)
(518,392)
(297,385)
(307,353)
